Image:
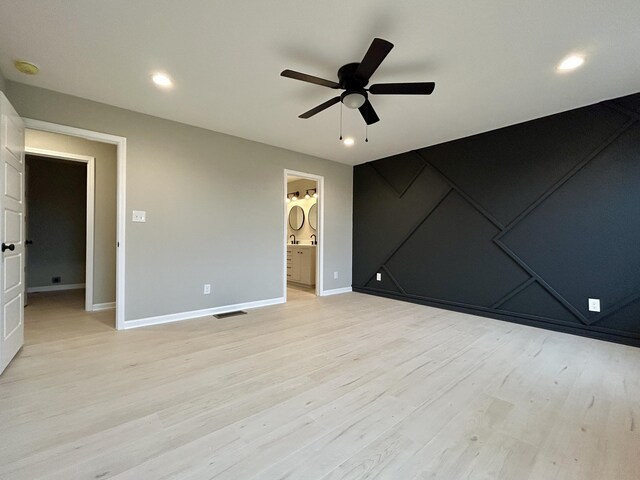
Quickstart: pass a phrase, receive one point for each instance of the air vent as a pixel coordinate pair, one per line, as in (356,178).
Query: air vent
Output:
(230,314)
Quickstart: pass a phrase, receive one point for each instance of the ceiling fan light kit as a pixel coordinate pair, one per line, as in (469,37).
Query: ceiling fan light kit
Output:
(353,78)
(353,100)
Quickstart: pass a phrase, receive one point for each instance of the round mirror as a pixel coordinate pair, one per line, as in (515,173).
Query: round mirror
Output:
(313,216)
(296,217)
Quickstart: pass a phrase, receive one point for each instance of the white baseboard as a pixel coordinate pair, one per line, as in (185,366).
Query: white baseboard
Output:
(177,317)
(97,307)
(55,288)
(336,291)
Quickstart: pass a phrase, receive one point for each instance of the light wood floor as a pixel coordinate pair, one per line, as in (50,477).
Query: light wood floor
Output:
(342,387)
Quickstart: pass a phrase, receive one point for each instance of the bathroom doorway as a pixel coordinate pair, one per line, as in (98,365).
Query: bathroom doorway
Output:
(303,228)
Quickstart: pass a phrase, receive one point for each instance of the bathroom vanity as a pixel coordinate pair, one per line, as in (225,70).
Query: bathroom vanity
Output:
(301,264)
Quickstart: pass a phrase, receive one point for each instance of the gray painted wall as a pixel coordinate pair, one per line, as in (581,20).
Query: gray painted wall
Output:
(104,249)
(3,82)
(56,195)
(205,194)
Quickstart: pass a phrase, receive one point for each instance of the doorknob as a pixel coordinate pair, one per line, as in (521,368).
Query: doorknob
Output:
(11,247)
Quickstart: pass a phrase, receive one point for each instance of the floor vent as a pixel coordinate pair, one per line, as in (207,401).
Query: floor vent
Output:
(230,314)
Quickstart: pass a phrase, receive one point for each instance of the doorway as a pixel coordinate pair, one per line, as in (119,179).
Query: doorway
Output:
(120,144)
(303,234)
(59,213)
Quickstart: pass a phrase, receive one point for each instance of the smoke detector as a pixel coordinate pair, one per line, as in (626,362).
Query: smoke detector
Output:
(27,68)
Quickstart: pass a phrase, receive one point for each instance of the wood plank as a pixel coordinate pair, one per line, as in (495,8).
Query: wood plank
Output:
(343,387)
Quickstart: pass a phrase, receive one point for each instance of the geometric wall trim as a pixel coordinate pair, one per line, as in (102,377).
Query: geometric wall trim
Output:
(400,179)
(524,223)
(536,300)
(380,210)
(387,282)
(488,272)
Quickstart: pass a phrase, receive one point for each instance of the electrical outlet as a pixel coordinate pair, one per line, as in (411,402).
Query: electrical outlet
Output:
(335,275)
(594,304)
(56,279)
(207,289)
(379,276)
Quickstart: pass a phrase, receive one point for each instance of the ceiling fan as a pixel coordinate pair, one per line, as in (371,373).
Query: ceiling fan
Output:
(354,77)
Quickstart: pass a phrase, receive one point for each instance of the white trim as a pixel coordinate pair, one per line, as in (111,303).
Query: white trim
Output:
(121,143)
(91,195)
(74,157)
(336,291)
(72,131)
(55,288)
(97,307)
(177,317)
(320,246)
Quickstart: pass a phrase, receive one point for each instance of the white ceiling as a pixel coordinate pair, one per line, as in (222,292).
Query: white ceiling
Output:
(493,62)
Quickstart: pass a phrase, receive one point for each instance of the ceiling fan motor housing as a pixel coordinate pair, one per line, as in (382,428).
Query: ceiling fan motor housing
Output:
(354,95)
(348,79)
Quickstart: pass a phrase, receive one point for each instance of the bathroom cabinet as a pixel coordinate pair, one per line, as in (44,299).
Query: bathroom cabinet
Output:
(301,264)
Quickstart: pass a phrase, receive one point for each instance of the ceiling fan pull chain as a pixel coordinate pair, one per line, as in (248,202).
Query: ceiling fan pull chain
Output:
(366,126)
(340,121)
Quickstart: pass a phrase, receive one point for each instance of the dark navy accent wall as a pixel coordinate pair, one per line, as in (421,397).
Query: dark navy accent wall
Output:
(524,223)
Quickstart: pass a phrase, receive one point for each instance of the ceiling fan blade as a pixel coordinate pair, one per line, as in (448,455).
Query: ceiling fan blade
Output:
(309,78)
(320,108)
(418,88)
(377,52)
(368,113)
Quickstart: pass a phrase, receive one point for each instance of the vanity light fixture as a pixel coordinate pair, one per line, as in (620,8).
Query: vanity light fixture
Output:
(314,193)
(292,196)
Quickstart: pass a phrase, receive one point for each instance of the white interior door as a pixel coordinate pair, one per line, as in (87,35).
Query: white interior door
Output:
(11,232)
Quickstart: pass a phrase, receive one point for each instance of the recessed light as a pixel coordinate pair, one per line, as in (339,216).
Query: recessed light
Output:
(27,68)
(570,63)
(162,80)
(348,141)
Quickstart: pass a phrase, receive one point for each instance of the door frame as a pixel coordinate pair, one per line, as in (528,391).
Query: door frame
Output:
(90,162)
(121,187)
(319,179)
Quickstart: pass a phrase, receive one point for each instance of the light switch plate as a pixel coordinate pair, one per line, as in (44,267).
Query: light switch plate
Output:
(594,304)
(379,277)
(139,216)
